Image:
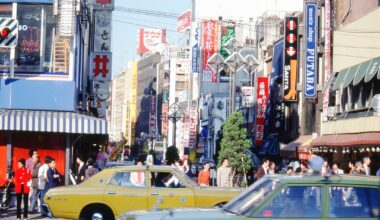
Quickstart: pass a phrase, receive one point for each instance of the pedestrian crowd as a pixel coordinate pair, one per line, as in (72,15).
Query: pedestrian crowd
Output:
(224,174)
(33,178)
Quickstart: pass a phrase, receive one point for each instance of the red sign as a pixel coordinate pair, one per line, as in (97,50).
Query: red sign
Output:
(184,21)
(100,66)
(291,38)
(210,46)
(262,101)
(291,25)
(104,2)
(148,39)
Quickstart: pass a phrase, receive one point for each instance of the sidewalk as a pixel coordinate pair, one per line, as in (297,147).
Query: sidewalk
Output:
(11,215)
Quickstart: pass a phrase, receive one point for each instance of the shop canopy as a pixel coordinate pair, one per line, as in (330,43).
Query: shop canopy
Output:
(347,140)
(301,141)
(51,121)
(355,74)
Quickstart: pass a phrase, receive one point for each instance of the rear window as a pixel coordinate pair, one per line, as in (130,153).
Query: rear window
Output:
(354,202)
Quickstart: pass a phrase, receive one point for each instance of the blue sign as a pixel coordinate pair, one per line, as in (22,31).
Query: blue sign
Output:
(194,50)
(311,20)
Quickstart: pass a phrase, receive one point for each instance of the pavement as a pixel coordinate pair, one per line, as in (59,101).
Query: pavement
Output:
(11,215)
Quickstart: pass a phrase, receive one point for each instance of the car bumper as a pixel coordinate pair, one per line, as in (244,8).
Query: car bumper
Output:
(47,210)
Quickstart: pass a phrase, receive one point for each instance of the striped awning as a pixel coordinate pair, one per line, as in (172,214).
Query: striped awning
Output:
(51,121)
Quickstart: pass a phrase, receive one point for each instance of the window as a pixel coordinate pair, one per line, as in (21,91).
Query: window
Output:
(166,180)
(35,40)
(354,202)
(129,179)
(295,202)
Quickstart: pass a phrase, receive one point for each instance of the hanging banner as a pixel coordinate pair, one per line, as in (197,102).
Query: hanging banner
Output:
(193,124)
(262,101)
(210,46)
(311,36)
(290,59)
(327,66)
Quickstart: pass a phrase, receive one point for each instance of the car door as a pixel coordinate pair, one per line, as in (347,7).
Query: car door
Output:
(127,190)
(170,192)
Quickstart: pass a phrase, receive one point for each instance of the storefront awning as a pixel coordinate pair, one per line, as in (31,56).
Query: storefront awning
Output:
(355,74)
(346,140)
(51,121)
(303,140)
(372,70)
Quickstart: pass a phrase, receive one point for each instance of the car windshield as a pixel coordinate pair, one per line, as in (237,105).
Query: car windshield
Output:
(252,197)
(185,177)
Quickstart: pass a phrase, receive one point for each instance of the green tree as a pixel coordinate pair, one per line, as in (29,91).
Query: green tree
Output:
(171,154)
(235,144)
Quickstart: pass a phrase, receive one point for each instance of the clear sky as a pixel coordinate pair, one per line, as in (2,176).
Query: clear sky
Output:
(124,35)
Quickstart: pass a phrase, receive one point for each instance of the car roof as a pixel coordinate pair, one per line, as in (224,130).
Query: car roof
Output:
(334,179)
(134,167)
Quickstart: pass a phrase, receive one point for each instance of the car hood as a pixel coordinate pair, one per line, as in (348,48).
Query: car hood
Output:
(180,214)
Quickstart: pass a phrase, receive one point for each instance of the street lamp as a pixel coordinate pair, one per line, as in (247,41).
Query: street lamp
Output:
(175,115)
(235,61)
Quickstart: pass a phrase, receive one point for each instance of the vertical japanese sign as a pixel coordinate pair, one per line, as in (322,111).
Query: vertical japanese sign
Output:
(184,21)
(210,46)
(152,115)
(133,101)
(227,32)
(165,111)
(194,46)
(193,124)
(290,59)
(262,101)
(311,29)
(327,66)
(185,131)
(102,35)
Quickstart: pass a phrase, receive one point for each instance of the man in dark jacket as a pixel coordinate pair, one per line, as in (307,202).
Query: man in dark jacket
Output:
(53,177)
(261,171)
(81,170)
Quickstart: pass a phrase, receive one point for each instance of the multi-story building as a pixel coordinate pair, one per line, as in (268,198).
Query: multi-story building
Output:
(350,130)
(147,99)
(118,107)
(45,101)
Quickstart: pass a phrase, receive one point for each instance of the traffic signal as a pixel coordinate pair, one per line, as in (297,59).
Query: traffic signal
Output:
(8,32)
(4,32)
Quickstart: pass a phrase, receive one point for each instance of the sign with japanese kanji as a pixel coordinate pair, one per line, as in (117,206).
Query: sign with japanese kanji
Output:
(193,124)
(100,66)
(210,46)
(152,116)
(262,101)
(100,89)
(103,29)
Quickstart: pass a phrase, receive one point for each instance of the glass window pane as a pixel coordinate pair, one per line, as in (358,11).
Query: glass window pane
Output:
(35,42)
(5,12)
(129,179)
(295,202)
(354,202)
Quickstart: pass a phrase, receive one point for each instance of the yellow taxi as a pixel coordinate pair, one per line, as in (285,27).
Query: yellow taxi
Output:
(116,190)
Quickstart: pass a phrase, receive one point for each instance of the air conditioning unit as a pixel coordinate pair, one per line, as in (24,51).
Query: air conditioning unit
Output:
(331,112)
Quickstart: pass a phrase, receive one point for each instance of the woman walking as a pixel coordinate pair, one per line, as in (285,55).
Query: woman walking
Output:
(22,187)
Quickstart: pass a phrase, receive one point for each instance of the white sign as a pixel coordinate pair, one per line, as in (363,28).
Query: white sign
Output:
(100,89)
(247,96)
(100,66)
(103,29)
(149,39)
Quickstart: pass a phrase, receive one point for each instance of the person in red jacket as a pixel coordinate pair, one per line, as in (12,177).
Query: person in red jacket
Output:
(22,187)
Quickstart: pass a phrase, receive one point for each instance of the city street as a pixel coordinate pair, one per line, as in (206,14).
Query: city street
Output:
(190,109)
